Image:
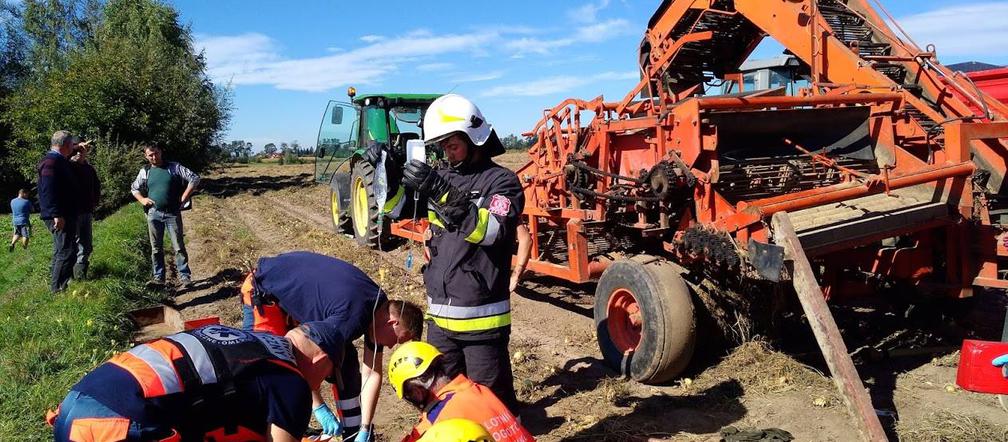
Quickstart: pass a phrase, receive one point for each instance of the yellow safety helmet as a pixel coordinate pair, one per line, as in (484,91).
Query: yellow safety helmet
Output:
(408,361)
(456,430)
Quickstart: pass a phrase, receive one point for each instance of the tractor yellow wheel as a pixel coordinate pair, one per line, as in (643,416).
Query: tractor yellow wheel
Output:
(369,228)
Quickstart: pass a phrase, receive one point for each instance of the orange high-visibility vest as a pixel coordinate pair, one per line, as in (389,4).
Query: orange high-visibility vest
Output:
(463,398)
(213,354)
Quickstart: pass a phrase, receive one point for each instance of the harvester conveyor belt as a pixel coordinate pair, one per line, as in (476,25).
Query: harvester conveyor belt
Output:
(848,222)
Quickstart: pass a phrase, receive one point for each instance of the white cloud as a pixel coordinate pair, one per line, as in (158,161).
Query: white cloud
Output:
(529,45)
(253,59)
(977,29)
(601,31)
(473,78)
(554,85)
(590,33)
(434,67)
(227,55)
(587,13)
(372,38)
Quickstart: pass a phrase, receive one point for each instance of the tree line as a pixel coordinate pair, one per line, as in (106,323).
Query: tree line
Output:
(237,150)
(120,72)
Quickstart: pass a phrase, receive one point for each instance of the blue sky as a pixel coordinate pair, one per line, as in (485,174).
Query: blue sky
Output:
(285,60)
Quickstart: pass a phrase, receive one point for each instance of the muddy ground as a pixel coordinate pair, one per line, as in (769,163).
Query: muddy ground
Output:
(249,211)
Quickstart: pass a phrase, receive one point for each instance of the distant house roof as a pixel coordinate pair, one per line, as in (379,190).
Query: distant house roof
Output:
(972,66)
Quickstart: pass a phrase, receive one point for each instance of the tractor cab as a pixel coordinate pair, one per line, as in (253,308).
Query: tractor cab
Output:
(783,75)
(347,129)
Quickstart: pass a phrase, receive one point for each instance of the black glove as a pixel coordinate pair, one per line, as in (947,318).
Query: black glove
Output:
(454,210)
(373,153)
(419,176)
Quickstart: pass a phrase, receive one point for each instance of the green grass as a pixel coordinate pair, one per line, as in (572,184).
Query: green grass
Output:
(48,342)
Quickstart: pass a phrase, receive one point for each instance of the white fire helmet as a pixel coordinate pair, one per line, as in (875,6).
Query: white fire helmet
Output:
(454,113)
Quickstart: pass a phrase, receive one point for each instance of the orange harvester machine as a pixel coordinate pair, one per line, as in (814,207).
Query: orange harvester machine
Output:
(882,162)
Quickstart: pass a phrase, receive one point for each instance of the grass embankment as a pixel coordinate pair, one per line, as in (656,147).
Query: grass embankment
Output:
(48,342)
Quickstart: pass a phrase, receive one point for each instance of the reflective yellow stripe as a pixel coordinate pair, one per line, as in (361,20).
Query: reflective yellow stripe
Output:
(443,199)
(445,118)
(391,204)
(482,220)
(433,218)
(472,325)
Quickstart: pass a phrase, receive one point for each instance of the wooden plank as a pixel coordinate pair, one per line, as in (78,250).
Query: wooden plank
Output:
(845,376)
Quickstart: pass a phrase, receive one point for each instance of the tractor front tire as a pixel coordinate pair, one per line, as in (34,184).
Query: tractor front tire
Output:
(369,229)
(644,319)
(339,204)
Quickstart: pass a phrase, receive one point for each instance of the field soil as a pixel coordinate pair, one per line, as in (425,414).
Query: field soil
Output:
(244,212)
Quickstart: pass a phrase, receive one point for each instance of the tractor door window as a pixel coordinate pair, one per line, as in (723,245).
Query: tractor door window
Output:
(338,129)
(375,126)
(406,119)
(337,137)
(749,82)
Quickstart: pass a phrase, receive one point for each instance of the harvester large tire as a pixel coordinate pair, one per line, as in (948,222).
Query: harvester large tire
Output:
(368,229)
(339,204)
(644,319)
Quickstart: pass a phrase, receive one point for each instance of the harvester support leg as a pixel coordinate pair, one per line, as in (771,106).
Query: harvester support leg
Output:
(845,376)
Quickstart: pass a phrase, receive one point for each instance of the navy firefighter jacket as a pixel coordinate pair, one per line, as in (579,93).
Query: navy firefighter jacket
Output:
(467,278)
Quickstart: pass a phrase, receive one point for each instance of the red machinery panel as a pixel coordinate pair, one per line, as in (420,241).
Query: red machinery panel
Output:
(975,370)
(993,81)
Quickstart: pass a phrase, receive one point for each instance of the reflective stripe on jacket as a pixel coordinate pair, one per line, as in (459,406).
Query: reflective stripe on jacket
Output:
(467,278)
(208,355)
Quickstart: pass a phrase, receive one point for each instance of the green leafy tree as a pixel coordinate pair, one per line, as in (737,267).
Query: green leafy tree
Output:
(269,149)
(125,73)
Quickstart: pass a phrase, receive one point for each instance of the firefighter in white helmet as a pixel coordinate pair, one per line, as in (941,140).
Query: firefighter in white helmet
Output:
(473,206)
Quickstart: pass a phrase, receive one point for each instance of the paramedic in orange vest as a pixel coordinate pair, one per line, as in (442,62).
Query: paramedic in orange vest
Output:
(342,304)
(418,375)
(212,383)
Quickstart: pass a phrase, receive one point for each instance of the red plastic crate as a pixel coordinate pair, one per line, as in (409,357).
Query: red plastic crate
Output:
(975,370)
(197,323)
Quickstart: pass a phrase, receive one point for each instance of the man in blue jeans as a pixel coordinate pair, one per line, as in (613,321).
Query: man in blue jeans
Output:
(164,188)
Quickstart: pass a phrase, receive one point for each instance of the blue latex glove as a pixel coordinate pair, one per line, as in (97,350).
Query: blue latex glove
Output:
(1000,361)
(326,418)
(363,435)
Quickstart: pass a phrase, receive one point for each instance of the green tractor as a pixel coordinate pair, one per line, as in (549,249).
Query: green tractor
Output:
(346,131)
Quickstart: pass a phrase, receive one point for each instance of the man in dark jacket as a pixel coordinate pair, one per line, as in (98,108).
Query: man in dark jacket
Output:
(473,209)
(90,192)
(57,192)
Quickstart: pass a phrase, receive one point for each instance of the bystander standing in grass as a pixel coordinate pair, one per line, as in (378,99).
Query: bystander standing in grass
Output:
(90,192)
(164,188)
(58,195)
(21,218)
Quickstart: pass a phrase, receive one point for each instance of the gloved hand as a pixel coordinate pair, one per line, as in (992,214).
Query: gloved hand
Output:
(363,435)
(373,153)
(1001,361)
(326,418)
(419,176)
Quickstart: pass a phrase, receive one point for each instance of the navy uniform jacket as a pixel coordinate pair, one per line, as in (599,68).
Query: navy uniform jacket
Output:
(467,278)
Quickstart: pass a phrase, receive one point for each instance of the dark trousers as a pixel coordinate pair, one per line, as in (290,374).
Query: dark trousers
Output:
(85,245)
(486,362)
(64,253)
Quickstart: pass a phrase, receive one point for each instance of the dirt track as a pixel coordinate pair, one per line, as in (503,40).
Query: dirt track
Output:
(246,212)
